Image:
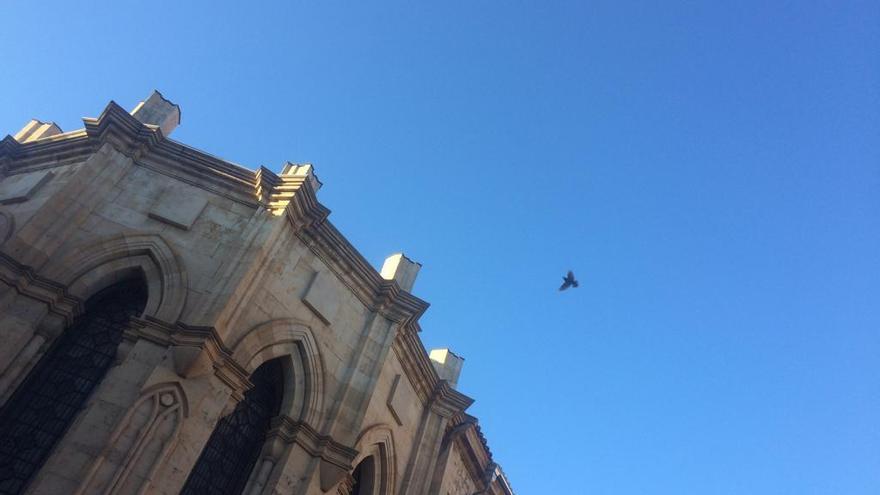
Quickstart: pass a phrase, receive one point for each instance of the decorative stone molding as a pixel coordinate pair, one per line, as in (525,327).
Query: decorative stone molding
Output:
(123,131)
(335,459)
(195,351)
(56,151)
(376,293)
(9,146)
(27,282)
(378,441)
(293,193)
(288,337)
(141,442)
(415,362)
(447,401)
(85,268)
(9,149)
(265,182)
(199,169)
(465,433)
(282,203)
(296,196)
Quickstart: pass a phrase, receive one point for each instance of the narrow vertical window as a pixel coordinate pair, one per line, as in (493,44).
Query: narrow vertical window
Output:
(232,451)
(47,401)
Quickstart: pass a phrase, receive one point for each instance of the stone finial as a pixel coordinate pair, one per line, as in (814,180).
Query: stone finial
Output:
(158,111)
(302,170)
(36,129)
(401,269)
(447,364)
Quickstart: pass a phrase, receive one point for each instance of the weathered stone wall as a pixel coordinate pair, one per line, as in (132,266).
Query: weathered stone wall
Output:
(456,478)
(241,268)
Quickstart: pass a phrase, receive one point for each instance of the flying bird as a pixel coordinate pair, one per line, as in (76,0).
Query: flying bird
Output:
(568,281)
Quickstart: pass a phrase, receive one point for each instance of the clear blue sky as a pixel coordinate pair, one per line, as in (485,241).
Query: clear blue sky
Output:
(711,174)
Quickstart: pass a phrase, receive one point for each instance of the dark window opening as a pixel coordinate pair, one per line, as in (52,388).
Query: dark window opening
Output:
(45,404)
(232,451)
(364,475)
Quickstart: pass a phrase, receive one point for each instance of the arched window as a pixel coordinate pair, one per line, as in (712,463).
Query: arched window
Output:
(229,456)
(364,477)
(44,405)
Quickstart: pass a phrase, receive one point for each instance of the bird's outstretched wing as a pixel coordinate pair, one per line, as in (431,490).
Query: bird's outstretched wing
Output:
(568,281)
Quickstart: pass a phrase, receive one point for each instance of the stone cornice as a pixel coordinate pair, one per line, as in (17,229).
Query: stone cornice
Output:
(467,418)
(126,133)
(144,143)
(150,148)
(203,170)
(26,281)
(464,431)
(447,401)
(9,149)
(502,482)
(297,196)
(291,195)
(374,292)
(335,458)
(475,464)
(317,445)
(265,182)
(195,351)
(415,362)
(49,152)
(295,193)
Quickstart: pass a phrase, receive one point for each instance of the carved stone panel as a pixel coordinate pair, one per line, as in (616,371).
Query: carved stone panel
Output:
(401,400)
(22,187)
(148,432)
(179,206)
(322,297)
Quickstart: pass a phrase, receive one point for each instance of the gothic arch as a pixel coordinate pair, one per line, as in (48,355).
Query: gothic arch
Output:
(378,441)
(231,458)
(89,268)
(304,368)
(52,395)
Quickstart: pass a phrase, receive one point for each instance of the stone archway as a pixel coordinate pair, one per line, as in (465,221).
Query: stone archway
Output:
(88,268)
(304,370)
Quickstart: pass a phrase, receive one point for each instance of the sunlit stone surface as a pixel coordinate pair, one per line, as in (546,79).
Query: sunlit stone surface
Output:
(240,267)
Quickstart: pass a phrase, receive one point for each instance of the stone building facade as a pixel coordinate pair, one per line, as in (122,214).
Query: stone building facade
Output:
(173,323)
